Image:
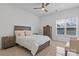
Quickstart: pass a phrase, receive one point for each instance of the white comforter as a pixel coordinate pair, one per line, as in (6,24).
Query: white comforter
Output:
(32,42)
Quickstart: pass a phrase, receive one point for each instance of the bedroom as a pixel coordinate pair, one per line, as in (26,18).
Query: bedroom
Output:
(21,15)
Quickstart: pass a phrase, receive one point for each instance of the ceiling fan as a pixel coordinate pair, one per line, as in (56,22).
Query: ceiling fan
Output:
(43,7)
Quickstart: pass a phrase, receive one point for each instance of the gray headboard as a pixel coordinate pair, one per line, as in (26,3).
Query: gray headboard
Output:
(22,27)
(16,27)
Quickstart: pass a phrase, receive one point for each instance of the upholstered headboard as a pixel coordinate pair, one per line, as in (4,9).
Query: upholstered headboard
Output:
(16,27)
(22,27)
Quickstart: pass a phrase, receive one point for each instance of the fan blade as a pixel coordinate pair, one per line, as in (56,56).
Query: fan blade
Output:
(47,4)
(37,8)
(42,5)
(45,10)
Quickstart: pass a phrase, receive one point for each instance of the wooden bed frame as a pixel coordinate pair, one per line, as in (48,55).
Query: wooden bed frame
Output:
(29,28)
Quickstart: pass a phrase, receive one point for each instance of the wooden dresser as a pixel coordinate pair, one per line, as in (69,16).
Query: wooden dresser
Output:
(47,30)
(8,41)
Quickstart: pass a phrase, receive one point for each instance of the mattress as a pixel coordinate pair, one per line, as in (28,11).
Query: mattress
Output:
(32,42)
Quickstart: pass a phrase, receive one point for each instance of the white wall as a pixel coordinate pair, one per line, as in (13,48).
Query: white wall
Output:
(10,16)
(51,20)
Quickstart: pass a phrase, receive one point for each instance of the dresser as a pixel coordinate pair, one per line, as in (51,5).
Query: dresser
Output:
(47,30)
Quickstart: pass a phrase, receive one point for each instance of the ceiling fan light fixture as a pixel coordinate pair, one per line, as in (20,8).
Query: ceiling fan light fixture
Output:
(43,9)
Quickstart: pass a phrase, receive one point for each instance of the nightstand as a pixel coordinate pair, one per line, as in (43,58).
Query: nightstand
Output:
(8,41)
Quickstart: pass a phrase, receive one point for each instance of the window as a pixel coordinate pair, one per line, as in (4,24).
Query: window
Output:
(71,26)
(60,27)
(67,26)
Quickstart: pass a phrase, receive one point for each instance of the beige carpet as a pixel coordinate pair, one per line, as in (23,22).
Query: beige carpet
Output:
(20,51)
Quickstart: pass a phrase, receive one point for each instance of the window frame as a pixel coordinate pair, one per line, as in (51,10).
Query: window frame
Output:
(65,28)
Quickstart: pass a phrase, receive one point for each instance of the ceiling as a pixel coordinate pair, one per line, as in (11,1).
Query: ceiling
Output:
(52,7)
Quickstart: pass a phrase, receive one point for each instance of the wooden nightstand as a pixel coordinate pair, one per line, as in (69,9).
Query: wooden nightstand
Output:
(8,41)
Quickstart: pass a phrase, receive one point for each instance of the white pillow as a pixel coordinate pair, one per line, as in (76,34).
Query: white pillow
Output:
(19,33)
(27,33)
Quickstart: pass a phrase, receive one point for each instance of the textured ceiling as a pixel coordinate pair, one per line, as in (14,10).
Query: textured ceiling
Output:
(52,7)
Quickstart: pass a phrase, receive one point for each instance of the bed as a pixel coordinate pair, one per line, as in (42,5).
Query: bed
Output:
(34,43)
